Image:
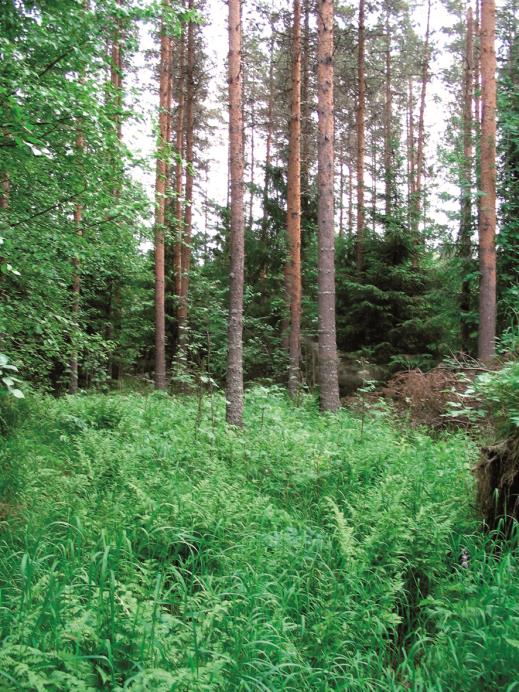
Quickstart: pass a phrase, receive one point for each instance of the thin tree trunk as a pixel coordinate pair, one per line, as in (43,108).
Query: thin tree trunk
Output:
(388,143)
(116,81)
(466,182)
(294,206)
(361,139)
(420,149)
(182,312)
(341,189)
(410,152)
(328,378)
(161,189)
(268,145)
(487,227)
(252,156)
(350,199)
(373,183)
(76,278)
(234,389)
(305,108)
(179,173)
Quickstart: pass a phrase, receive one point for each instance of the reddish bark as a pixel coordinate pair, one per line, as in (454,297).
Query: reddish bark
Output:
(361,138)
(161,189)
(487,225)
(466,181)
(328,379)
(179,171)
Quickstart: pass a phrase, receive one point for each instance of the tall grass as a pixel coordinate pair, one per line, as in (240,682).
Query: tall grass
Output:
(147,546)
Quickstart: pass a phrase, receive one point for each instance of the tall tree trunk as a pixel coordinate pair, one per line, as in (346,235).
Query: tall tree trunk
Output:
(182,311)
(294,206)
(416,205)
(305,108)
(179,173)
(328,379)
(350,198)
(410,152)
(466,182)
(116,81)
(161,189)
(373,182)
(388,138)
(252,155)
(341,188)
(487,227)
(361,139)
(268,144)
(234,389)
(76,278)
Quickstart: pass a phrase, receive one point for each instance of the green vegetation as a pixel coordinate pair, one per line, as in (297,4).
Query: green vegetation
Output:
(148,546)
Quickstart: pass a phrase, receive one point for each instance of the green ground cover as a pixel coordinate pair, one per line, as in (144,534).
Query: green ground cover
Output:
(145,545)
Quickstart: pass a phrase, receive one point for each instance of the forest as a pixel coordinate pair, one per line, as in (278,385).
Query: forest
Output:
(259,345)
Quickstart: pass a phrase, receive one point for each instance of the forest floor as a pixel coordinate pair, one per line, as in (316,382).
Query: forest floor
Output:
(145,545)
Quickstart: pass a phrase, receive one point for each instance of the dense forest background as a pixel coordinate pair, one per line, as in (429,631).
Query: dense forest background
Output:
(77,286)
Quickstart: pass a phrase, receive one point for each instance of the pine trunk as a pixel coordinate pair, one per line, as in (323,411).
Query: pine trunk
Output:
(466,183)
(361,139)
(160,200)
(487,226)
(234,389)
(416,202)
(179,173)
(328,379)
(294,206)
(388,143)
(182,312)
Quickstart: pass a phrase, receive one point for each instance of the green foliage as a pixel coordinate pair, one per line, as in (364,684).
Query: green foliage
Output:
(155,548)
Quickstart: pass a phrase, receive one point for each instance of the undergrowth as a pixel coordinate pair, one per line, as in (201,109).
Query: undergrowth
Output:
(145,545)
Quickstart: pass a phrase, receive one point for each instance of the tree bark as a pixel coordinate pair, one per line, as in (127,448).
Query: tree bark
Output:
(294,206)
(466,182)
(305,108)
(388,143)
(341,189)
(361,139)
(416,202)
(487,226)
(328,379)
(161,189)
(410,151)
(268,143)
(179,172)
(234,388)
(182,312)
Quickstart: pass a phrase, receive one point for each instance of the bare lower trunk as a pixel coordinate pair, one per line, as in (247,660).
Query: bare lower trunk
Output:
(5,190)
(294,206)
(234,388)
(268,145)
(329,387)
(487,227)
(160,201)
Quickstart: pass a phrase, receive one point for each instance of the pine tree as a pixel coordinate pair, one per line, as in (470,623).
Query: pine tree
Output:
(328,378)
